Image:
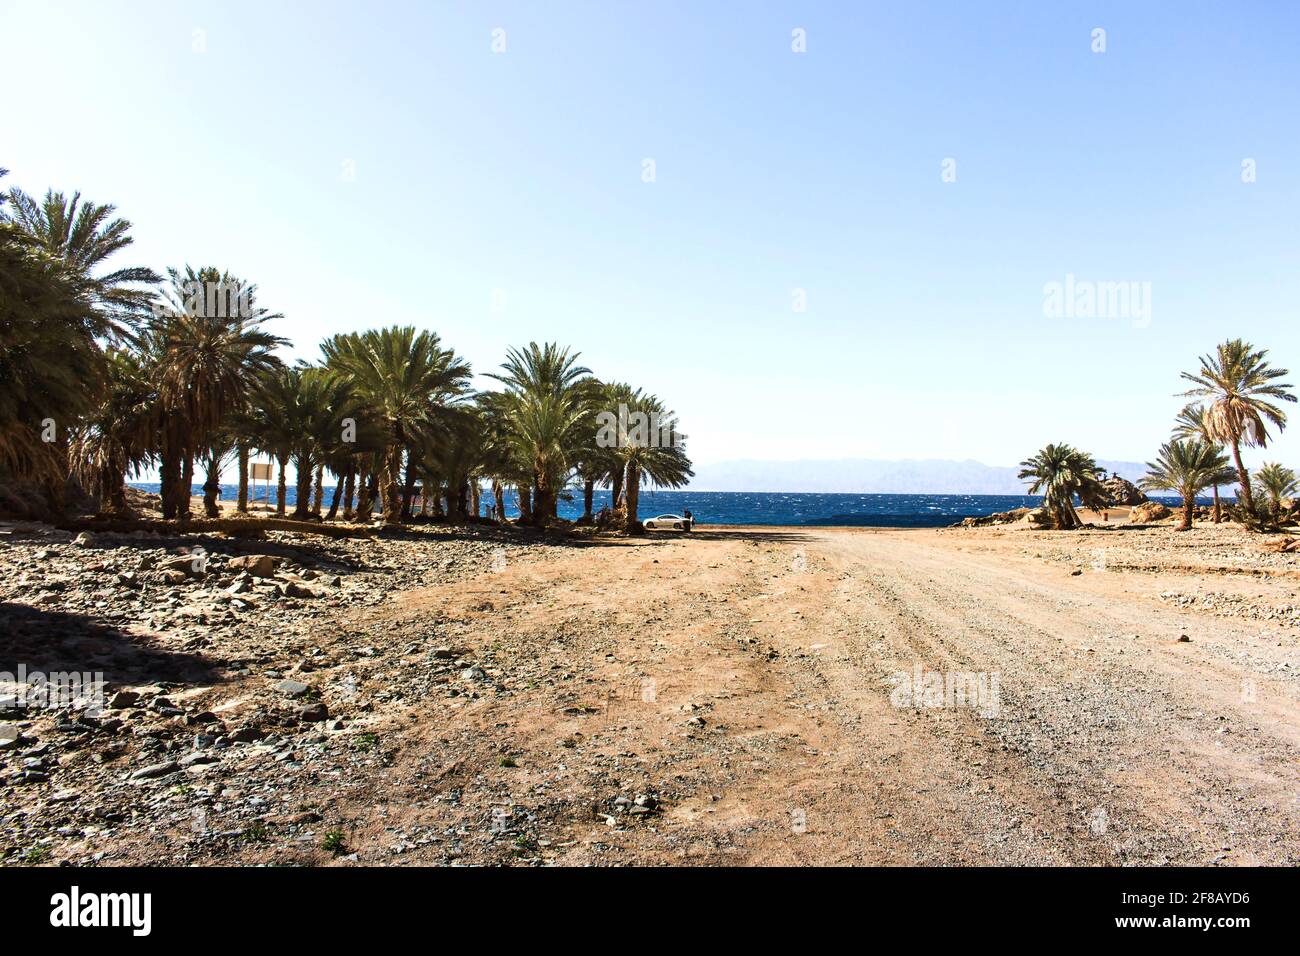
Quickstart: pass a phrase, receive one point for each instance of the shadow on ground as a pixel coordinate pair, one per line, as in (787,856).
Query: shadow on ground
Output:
(52,641)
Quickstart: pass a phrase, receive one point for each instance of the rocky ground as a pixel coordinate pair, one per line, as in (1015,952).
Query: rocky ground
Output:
(487,696)
(221,660)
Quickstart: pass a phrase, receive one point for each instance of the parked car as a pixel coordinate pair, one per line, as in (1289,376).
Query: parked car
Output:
(668,523)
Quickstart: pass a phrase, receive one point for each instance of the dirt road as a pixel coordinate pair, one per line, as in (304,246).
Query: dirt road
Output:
(746,682)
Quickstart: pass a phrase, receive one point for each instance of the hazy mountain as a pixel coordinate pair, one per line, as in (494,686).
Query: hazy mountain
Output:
(868,476)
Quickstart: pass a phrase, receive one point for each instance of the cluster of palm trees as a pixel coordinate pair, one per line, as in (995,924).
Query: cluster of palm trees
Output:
(1236,396)
(104,374)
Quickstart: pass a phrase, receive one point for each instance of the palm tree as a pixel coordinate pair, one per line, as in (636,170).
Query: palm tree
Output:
(1187,467)
(643,435)
(1192,422)
(51,366)
(1278,483)
(83,236)
(117,436)
(221,444)
(405,378)
(500,460)
(1237,384)
(549,400)
(324,402)
(210,352)
(1060,473)
(277,418)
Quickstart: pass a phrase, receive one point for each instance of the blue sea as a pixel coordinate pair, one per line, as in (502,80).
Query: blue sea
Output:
(765,508)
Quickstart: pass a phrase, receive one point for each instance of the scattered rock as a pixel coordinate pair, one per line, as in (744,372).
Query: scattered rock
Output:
(258,565)
(313,713)
(1122,492)
(154,771)
(1148,512)
(123,699)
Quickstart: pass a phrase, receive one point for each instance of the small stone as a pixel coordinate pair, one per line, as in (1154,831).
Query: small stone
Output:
(313,713)
(258,565)
(84,540)
(294,688)
(9,736)
(188,565)
(1184,639)
(197,757)
(123,699)
(156,770)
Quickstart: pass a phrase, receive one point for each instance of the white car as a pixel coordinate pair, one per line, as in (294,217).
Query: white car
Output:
(669,523)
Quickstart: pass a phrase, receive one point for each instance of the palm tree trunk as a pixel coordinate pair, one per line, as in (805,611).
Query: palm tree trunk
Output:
(365,496)
(281,488)
(169,475)
(212,488)
(499,493)
(475,491)
(1218,513)
(588,495)
(408,488)
(525,504)
(392,488)
(186,488)
(363,489)
(336,500)
(631,525)
(112,493)
(242,505)
(616,490)
(167,485)
(302,506)
(349,486)
(1244,477)
(319,499)
(1189,503)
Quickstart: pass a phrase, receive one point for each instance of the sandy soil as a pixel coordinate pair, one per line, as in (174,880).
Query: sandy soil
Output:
(1114,741)
(731,697)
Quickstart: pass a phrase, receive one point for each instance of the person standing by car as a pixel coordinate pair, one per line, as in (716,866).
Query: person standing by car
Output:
(690,519)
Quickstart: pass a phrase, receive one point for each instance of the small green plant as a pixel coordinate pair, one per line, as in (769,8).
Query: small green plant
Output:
(257,833)
(333,841)
(35,856)
(508,761)
(525,844)
(365,742)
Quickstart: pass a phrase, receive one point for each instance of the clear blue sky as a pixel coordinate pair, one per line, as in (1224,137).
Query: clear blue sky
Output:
(924,334)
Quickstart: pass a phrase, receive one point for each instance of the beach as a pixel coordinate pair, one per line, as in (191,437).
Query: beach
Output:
(1123,695)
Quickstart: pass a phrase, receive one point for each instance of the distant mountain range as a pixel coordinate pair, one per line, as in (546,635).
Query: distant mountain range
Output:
(871,476)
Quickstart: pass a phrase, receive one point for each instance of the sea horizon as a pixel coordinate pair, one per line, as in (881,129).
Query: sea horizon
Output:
(758,508)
